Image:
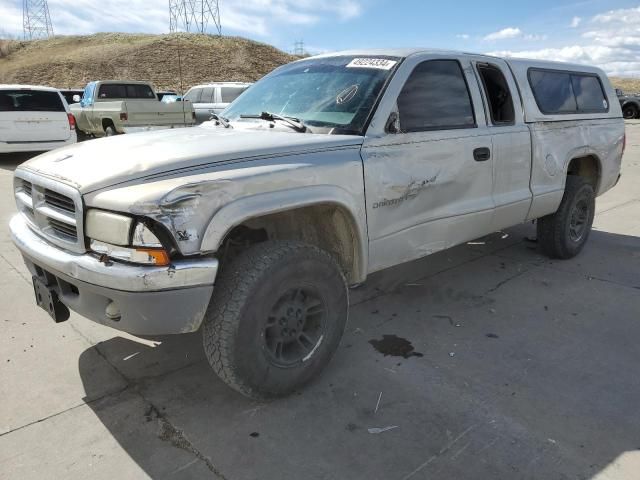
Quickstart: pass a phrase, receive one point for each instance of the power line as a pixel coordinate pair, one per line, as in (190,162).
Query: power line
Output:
(36,22)
(194,15)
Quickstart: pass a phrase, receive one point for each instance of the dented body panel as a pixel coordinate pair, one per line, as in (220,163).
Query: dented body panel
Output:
(373,200)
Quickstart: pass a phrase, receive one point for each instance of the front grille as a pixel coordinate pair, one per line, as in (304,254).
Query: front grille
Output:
(54,210)
(57,200)
(63,229)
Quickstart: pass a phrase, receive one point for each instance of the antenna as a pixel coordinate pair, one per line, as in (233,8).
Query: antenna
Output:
(36,22)
(194,15)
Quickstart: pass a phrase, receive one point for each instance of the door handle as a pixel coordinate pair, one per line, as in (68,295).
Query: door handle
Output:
(482,154)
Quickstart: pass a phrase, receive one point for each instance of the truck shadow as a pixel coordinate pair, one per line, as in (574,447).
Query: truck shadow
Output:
(9,161)
(542,382)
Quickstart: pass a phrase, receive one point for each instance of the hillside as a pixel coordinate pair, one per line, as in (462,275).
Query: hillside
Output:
(626,84)
(70,62)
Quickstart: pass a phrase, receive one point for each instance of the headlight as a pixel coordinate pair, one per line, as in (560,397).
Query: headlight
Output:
(124,238)
(108,227)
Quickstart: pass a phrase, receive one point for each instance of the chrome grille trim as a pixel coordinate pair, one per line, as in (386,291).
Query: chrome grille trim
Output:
(53,209)
(61,202)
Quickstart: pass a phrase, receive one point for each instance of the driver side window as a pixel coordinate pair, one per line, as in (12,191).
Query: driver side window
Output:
(435,97)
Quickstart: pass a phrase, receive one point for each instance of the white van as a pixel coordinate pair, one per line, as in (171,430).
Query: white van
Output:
(34,119)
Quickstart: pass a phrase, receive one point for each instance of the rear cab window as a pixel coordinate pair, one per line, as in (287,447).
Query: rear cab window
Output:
(20,100)
(497,93)
(112,90)
(119,91)
(560,92)
(140,91)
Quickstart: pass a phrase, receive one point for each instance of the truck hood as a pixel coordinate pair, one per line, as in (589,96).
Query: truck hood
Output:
(100,163)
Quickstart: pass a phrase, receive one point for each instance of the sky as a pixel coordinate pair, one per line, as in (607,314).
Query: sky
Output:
(605,33)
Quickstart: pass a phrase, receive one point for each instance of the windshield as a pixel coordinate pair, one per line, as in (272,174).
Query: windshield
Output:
(330,95)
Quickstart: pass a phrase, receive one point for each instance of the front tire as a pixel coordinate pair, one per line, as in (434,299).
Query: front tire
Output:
(276,318)
(564,233)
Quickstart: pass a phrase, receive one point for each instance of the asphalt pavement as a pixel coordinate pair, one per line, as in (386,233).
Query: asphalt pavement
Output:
(487,361)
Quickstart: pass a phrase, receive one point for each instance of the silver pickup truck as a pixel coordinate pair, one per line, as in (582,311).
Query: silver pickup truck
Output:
(110,107)
(252,228)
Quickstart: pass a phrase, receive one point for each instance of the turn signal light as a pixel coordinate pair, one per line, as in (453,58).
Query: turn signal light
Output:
(157,256)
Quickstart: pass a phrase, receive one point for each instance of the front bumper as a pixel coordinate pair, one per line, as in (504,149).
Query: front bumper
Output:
(151,300)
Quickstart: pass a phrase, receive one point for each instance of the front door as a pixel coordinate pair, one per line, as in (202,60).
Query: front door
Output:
(429,167)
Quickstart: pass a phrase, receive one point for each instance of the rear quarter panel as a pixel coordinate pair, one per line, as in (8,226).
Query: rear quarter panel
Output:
(555,144)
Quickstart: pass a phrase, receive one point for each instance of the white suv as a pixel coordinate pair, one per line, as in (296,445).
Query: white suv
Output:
(213,98)
(34,119)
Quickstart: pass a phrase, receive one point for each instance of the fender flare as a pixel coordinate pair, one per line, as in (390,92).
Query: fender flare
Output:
(246,208)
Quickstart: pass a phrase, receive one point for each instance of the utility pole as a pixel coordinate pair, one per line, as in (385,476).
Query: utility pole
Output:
(36,22)
(194,16)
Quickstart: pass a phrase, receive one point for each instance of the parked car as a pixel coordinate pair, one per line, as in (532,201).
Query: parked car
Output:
(111,107)
(34,119)
(252,228)
(71,95)
(630,104)
(212,98)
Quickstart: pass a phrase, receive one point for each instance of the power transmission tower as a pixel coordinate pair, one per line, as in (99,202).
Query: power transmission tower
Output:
(194,15)
(36,22)
(298,48)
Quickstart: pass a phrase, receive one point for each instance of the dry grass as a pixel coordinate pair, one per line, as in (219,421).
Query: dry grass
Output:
(626,84)
(71,62)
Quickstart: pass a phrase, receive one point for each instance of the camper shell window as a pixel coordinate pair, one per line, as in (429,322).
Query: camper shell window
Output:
(563,92)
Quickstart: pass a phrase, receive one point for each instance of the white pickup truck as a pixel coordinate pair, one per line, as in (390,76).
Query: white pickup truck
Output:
(111,107)
(326,170)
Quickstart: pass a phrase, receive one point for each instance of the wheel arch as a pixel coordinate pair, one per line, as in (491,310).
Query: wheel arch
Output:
(325,216)
(106,121)
(588,166)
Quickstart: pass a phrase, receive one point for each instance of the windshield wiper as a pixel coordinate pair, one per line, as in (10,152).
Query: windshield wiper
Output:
(221,120)
(293,122)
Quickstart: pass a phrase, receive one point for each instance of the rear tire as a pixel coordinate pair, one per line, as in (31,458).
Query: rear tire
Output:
(564,233)
(276,318)
(109,131)
(630,112)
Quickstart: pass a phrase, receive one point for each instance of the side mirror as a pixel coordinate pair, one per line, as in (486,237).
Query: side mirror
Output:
(76,98)
(392,123)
